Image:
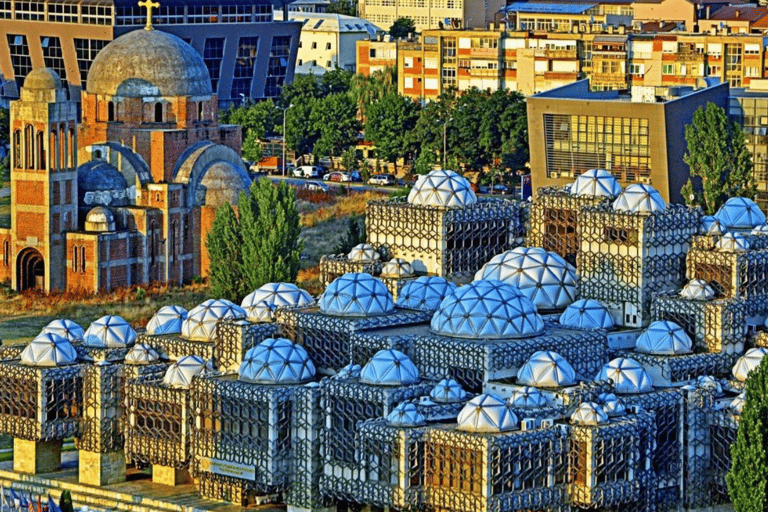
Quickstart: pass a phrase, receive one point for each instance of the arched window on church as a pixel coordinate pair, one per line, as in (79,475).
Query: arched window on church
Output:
(75,259)
(62,146)
(174,238)
(7,253)
(158,112)
(29,141)
(111,111)
(200,112)
(41,161)
(53,144)
(152,243)
(82,258)
(17,149)
(71,148)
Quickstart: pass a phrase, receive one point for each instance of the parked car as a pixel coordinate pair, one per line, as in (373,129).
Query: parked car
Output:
(484,189)
(355,176)
(502,189)
(337,176)
(310,171)
(317,186)
(382,179)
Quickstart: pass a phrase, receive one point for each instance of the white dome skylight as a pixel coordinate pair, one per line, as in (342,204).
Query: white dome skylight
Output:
(202,320)
(640,198)
(405,415)
(442,188)
(762,229)
(740,213)
(48,349)
(543,276)
(527,397)
(180,373)
(487,309)
(732,242)
(110,332)
(664,338)
(596,183)
(611,404)
(142,354)
(276,361)
(486,414)
(67,329)
(425,293)
(586,314)
(710,226)
(628,376)
(389,367)
(167,320)
(261,304)
(397,268)
(737,404)
(356,294)
(546,370)
(589,413)
(697,289)
(363,253)
(748,362)
(447,391)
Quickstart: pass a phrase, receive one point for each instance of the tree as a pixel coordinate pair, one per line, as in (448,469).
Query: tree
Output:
(402,27)
(224,244)
(718,158)
(388,123)
(748,476)
(334,119)
(349,159)
(251,147)
(355,235)
(368,89)
(65,502)
(270,229)
(424,162)
(341,7)
(5,126)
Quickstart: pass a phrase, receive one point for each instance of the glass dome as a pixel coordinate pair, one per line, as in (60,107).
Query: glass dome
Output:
(586,314)
(141,353)
(486,414)
(442,188)
(351,371)
(543,276)
(740,213)
(487,309)
(447,391)
(737,404)
(760,230)
(611,404)
(389,367)
(397,268)
(710,226)
(664,338)
(596,183)
(425,293)
(67,329)
(640,198)
(406,415)
(276,361)
(180,373)
(261,304)
(363,253)
(697,289)
(589,413)
(628,376)
(202,320)
(356,294)
(110,332)
(732,242)
(48,349)
(167,320)
(527,397)
(546,369)
(748,362)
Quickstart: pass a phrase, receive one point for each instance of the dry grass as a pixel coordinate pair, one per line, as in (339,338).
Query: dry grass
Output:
(342,208)
(309,279)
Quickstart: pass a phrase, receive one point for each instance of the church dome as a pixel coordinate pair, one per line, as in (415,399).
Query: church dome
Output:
(276,361)
(664,338)
(596,183)
(48,349)
(42,78)
(640,198)
(167,320)
(148,63)
(261,304)
(425,293)
(628,376)
(397,268)
(487,414)
(389,367)
(356,294)
(222,183)
(740,213)
(527,397)
(66,329)
(99,219)
(100,176)
(487,309)
(110,332)
(142,354)
(442,188)
(586,314)
(710,226)
(546,369)
(611,404)
(732,242)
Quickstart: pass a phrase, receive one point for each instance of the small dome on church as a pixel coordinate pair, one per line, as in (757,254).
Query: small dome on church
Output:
(99,219)
(42,78)
(148,63)
(222,183)
(100,183)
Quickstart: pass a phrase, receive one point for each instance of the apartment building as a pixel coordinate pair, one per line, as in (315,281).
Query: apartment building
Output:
(748,106)
(430,14)
(373,56)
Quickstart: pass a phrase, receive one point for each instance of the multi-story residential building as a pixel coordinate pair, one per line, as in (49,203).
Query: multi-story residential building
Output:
(637,138)
(308,6)
(247,54)
(329,40)
(375,56)
(737,19)
(430,14)
(749,107)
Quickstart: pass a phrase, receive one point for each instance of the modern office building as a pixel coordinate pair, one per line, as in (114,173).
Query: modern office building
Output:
(430,14)
(637,137)
(247,53)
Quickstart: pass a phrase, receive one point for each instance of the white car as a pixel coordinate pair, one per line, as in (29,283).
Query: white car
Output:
(317,186)
(311,171)
(382,179)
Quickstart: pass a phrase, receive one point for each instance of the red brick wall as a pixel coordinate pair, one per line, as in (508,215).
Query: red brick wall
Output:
(77,279)
(30,224)
(29,192)
(6,266)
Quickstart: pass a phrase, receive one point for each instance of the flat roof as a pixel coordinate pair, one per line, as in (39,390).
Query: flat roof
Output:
(547,8)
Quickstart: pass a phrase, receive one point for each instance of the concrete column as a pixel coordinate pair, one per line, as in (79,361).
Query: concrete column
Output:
(166,475)
(34,457)
(101,468)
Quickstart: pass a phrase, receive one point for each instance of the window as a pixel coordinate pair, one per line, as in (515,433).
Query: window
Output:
(637,69)
(52,56)
(409,82)
(449,77)
(372,53)
(158,112)
(62,12)
(713,70)
(213,52)
(247,50)
(408,62)
(6,253)
(32,11)
(314,45)
(430,63)
(752,72)
(22,64)
(328,46)
(86,50)
(277,66)
(668,69)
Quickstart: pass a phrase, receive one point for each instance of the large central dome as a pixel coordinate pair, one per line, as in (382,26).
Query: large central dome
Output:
(148,63)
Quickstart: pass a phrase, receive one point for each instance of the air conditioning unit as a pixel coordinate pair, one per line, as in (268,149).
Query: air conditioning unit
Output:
(547,422)
(528,424)
(646,180)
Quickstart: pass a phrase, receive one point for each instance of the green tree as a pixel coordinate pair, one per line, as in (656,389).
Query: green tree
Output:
(336,81)
(354,235)
(368,89)
(349,159)
(224,244)
(5,126)
(387,125)
(424,162)
(300,134)
(251,147)
(341,7)
(334,119)
(402,27)
(718,158)
(270,229)
(748,476)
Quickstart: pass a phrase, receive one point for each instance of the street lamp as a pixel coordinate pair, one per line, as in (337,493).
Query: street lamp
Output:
(285,111)
(445,139)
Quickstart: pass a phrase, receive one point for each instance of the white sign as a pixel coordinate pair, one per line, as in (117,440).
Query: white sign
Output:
(224,468)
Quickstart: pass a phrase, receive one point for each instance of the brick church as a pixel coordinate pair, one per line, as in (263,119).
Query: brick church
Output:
(127,196)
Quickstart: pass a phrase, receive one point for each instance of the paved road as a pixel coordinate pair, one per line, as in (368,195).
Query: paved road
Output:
(5,192)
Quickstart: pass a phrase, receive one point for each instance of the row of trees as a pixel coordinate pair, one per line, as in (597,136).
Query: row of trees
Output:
(325,115)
